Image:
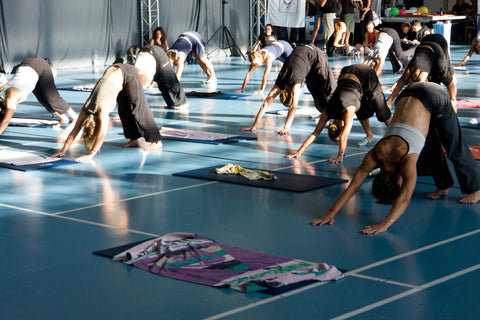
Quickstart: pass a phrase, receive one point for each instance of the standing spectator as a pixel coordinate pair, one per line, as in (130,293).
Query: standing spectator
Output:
(330,8)
(348,16)
(461,8)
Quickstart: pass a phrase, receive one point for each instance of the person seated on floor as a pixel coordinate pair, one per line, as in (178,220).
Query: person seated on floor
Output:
(120,84)
(370,37)
(423,122)
(33,75)
(191,42)
(277,50)
(431,63)
(306,63)
(152,64)
(407,37)
(388,44)
(474,47)
(266,38)
(405,31)
(336,45)
(159,38)
(420,31)
(358,92)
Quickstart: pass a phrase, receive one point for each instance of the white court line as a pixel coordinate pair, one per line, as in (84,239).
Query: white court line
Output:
(57,214)
(136,197)
(293,292)
(407,293)
(401,284)
(79,220)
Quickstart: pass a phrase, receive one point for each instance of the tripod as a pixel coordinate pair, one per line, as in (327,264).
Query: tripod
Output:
(228,42)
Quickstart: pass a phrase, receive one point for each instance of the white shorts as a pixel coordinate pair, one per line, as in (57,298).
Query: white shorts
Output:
(147,66)
(25,80)
(381,46)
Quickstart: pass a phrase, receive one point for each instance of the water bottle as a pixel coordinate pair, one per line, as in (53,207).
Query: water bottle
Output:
(441,11)
(94,61)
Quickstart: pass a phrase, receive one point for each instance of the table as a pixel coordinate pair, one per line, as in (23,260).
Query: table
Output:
(442,24)
(423,18)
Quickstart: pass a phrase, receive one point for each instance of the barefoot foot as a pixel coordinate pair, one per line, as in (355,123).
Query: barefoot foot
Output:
(471,198)
(154,146)
(438,193)
(136,143)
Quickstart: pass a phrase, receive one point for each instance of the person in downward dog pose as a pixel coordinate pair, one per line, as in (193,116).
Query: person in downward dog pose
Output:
(33,75)
(358,92)
(306,63)
(119,84)
(153,64)
(278,50)
(387,44)
(191,42)
(424,122)
(431,62)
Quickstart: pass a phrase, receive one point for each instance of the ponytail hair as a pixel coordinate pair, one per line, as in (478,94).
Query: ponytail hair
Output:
(90,129)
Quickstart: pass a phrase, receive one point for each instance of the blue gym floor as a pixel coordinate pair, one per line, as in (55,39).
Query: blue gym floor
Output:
(426,266)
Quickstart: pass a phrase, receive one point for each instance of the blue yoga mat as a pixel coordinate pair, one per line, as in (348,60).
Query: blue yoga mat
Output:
(25,161)
(37,166)
(285,181)
(468,69)
(217,95)
(201,136)
(471,126)
(27,122)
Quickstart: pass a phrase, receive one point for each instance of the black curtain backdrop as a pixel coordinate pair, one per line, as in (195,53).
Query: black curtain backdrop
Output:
(67,31)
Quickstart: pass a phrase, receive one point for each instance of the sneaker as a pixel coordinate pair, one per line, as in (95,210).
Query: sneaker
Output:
(364,142)
(181,107)
(210,81)
(374,172)
(3,79)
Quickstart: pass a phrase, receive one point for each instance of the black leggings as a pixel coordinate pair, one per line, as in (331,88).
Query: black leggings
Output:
(444,133)
(45,90)
(135,114)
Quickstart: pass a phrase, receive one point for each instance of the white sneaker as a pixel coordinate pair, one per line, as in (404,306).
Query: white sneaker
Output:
(364,142)
(182,106)
(374,172)
(210,81)
(3,79)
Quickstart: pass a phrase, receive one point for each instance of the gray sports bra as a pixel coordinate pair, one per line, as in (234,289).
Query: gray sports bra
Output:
(414,138)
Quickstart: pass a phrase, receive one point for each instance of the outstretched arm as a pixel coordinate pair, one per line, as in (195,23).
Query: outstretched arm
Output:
(13,95)
(247,78)
(453,94)
(268,67)
(255,47)
(398,87)
(408,172)
(291,110)
(73,134)
(368,164)
(470,53)
(268,100)
(347,127)
(311,138)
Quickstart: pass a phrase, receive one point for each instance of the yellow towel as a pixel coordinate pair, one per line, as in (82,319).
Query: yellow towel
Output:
(247,173)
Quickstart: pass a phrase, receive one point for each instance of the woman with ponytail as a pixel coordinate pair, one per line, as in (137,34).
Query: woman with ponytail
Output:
(119,84)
